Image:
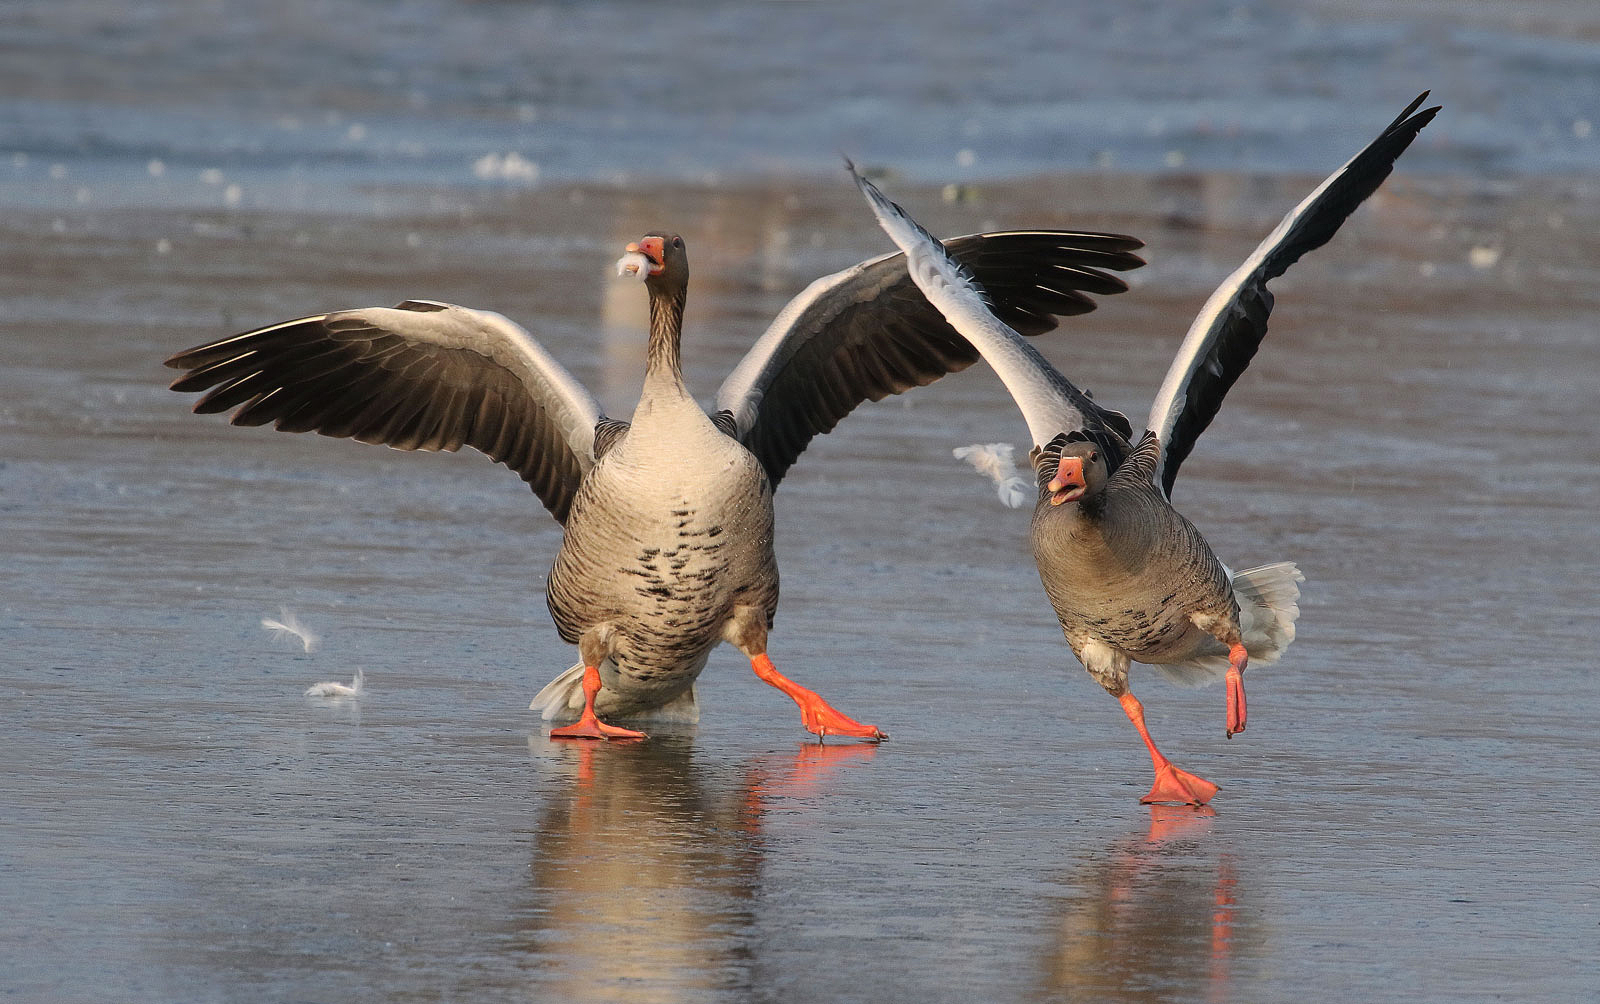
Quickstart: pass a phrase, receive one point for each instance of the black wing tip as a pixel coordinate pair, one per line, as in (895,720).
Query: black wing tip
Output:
(1128,260)
(1426,115)
(1087,240)
(1397,137)
(187,383)
(1115,250)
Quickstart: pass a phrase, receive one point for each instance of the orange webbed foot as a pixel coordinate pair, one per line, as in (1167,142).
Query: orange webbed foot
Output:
(818,716)
(1179,786)
(590,727)
(821,719)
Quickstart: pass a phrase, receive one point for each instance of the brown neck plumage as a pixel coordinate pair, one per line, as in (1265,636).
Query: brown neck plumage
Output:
(666,331)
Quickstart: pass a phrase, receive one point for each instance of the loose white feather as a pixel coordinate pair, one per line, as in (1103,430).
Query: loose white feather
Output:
(635,264)
(997,462)
(289,626)
(356,688)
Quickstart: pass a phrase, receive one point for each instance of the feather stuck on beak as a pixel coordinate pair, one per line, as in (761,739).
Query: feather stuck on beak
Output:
(635,264)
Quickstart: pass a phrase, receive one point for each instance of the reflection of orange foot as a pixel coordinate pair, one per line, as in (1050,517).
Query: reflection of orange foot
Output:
(590,727)
(1170,821)
(775,778)
(1175,785)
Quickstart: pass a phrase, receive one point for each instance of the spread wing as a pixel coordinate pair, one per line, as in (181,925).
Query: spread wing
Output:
(1049,402)
(1224,337)
(867,332)
(419,376)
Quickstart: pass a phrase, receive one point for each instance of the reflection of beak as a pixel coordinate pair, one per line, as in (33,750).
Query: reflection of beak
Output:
(1068,485)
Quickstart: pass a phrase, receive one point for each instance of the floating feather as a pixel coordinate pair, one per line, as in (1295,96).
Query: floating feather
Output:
(995,461)
(356,688)
(289,626)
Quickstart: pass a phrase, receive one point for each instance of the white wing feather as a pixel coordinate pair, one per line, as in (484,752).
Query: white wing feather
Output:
(1042,394)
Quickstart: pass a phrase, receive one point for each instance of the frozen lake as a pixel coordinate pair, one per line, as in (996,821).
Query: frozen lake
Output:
(1407,818)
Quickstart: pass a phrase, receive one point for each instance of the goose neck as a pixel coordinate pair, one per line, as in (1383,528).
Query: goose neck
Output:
(662,355)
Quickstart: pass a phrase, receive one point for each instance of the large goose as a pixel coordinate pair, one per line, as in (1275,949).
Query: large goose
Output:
(668,545)
(1130,578)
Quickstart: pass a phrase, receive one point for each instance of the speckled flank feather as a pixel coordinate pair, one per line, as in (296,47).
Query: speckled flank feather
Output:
(1126,568)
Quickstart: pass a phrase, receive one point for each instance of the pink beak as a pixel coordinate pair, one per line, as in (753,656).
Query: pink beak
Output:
(650,247)
(1068,485)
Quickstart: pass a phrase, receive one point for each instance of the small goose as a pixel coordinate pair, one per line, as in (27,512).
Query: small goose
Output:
(1130,578)
(668,545)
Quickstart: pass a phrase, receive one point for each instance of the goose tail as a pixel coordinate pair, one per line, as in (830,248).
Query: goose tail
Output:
(1268,598)
(1269,604)
(561,697)
(562,700)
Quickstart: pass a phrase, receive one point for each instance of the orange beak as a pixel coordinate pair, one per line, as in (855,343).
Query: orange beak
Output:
(652,248)
(1068,485)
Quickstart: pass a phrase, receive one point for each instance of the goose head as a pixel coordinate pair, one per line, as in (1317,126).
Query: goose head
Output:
(660,259)
(1080,473)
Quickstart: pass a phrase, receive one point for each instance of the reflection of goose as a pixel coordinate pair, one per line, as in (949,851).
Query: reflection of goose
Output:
(668,547)
(1152,918)
(1129,577)
(647,866)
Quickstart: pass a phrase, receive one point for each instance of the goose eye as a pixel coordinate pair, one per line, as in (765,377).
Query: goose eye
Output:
(1093,456)
(677,242)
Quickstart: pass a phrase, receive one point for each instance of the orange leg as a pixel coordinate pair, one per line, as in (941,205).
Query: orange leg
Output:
(590,727)
(815,714)
(1236,711)
(1172,784)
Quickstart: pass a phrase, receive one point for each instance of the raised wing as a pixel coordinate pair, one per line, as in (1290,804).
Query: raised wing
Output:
(1049,402)
(867,332)
(1227,332)
(419,376)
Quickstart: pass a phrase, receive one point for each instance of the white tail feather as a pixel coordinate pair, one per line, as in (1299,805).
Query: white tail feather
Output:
(997,462)
(1268,598)
(562,698)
